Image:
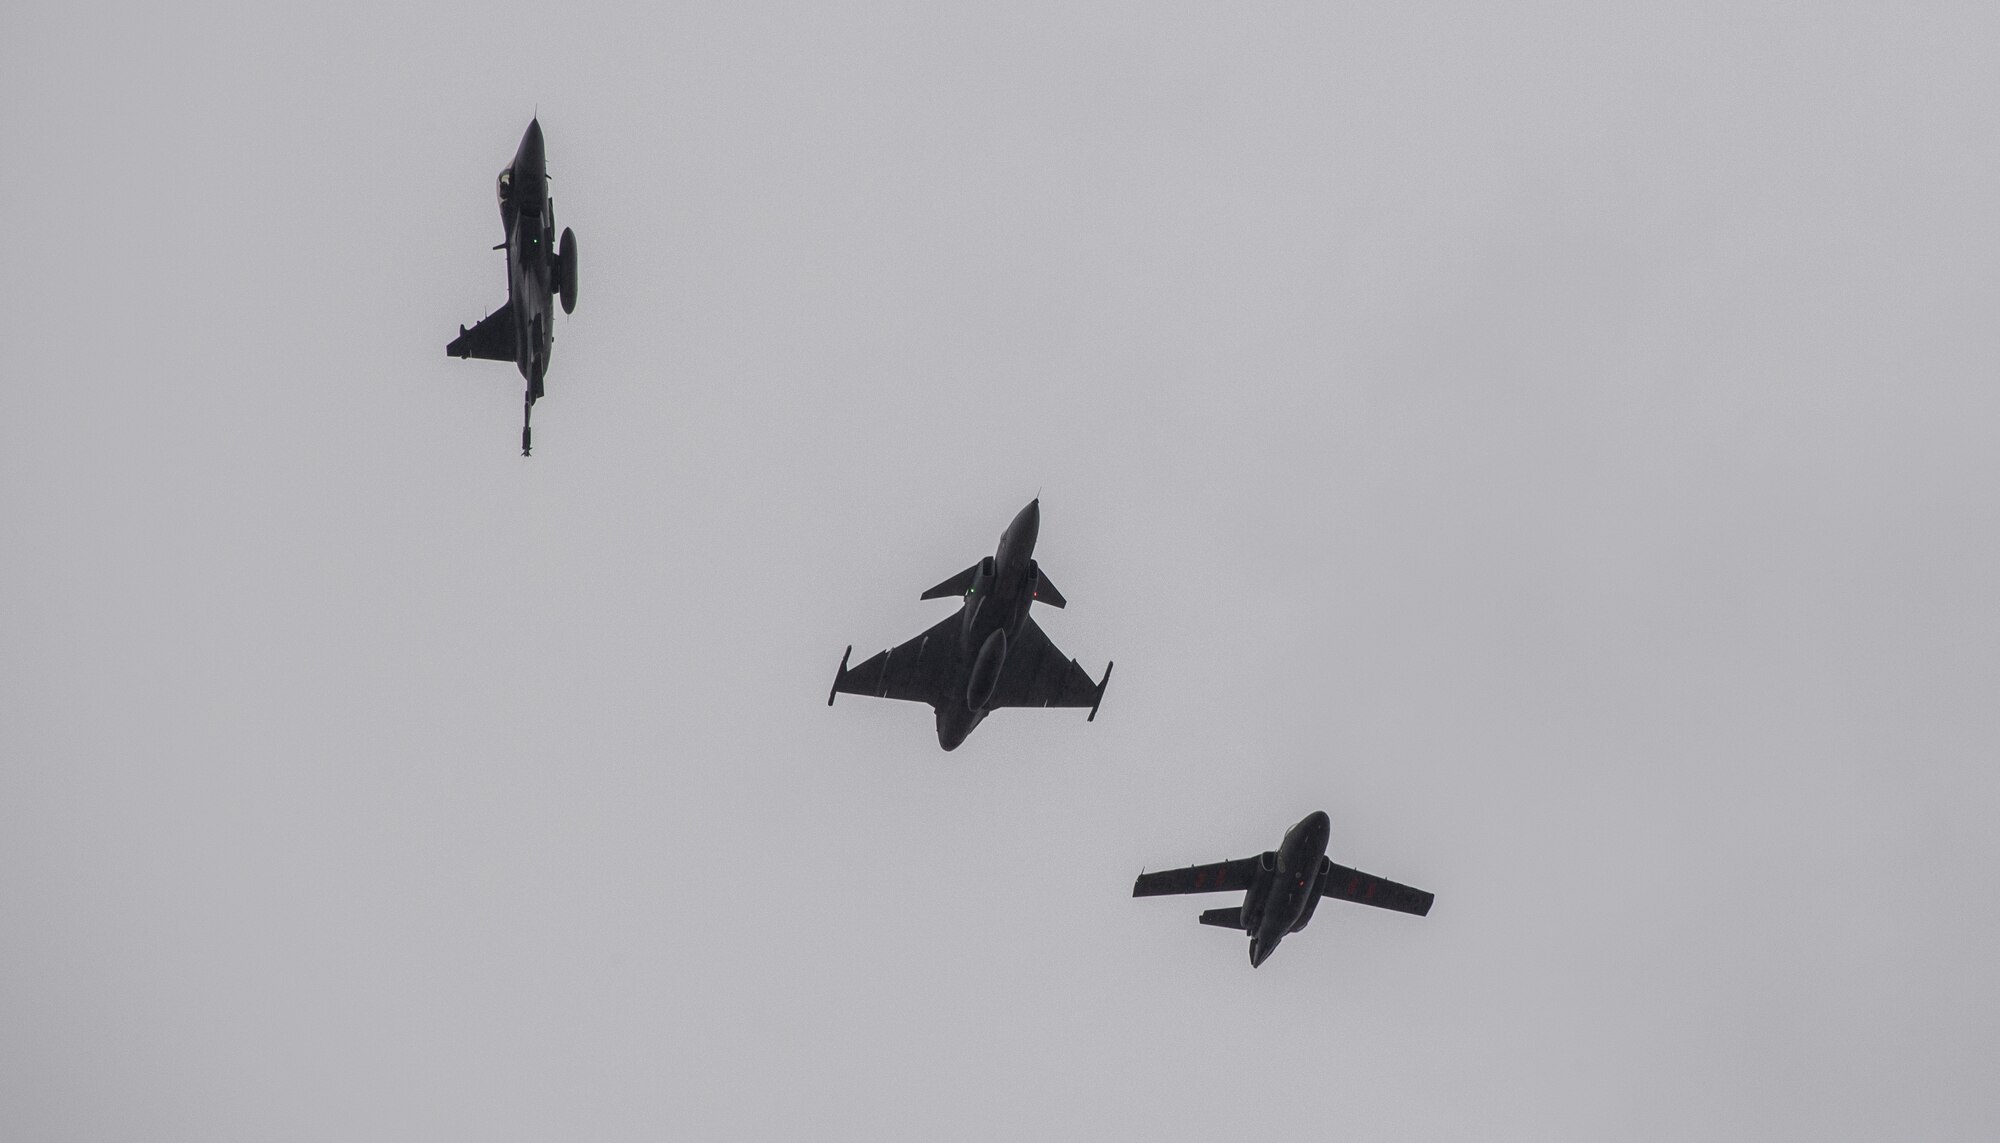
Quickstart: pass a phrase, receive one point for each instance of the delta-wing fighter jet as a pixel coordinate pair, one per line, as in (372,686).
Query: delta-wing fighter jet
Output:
(1281,887)
(989,655)
(538,271)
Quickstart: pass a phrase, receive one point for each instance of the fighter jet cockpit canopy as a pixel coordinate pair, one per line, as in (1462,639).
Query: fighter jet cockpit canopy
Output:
(505,189)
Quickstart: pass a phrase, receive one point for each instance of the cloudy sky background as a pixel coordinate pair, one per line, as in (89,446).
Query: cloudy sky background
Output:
(1560,445)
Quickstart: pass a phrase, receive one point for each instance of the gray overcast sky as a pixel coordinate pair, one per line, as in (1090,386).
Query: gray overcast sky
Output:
(1559,444)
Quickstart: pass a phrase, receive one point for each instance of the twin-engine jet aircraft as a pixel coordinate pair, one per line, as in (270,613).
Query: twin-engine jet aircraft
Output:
(1281,887)
(522,331)
(991,654)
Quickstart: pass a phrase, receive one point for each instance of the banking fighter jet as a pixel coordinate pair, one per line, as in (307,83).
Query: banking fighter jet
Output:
(1281,887)
(989,655)
(538,270)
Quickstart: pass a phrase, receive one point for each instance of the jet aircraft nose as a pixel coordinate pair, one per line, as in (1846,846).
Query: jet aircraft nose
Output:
(1258,953)
(531,160)
(1026,526)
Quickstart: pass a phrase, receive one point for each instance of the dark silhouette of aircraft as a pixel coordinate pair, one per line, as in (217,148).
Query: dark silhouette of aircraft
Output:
(991,654)
(1281,887)
(537,271)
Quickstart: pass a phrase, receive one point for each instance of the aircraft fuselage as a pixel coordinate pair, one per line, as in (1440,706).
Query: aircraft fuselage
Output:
(1282,897)
(996,604)
(528,218)
(1002,588)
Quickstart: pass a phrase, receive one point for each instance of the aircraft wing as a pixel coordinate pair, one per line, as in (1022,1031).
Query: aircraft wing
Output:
(916,671)
(492,339)
(1344,884)
(1221,877)
(1037,674)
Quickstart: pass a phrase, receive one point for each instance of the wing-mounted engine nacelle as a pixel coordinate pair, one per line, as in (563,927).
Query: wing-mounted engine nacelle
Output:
(986,671)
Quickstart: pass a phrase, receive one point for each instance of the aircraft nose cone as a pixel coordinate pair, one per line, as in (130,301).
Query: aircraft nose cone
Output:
(1258,953)
(530,160)
(1027,524)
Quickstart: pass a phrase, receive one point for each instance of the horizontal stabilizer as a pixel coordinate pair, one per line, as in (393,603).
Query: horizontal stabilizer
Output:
(955,586)
(1223,918)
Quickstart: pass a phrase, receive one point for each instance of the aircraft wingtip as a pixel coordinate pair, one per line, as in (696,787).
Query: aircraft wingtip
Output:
(839,674)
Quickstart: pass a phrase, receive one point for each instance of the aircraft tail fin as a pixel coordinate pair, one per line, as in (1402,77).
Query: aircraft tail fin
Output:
(1223,918)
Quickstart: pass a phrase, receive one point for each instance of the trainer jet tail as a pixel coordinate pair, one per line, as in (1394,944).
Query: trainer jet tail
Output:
(989,655)
(1282,887)
(539,271)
